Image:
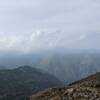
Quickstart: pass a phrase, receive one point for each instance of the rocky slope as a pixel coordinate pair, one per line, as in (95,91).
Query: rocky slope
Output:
(86,89)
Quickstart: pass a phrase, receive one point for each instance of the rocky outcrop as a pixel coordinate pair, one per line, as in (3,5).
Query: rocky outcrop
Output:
(86,89)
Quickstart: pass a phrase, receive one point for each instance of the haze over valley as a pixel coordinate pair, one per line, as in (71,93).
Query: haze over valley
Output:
(58,62)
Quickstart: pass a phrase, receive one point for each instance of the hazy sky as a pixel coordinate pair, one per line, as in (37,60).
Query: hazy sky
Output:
(27,25)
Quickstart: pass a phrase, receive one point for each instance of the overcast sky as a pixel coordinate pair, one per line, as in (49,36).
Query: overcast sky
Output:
(28,25)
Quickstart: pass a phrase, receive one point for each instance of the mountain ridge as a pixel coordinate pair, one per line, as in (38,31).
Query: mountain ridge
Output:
(59,63)
(85,89)
(19,83)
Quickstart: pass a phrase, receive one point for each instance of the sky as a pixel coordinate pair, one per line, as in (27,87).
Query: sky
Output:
(28,25)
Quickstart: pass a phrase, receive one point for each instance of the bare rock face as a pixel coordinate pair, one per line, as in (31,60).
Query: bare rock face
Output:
(86,89)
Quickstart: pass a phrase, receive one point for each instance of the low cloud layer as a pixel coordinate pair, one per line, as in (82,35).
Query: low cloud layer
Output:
(27,25)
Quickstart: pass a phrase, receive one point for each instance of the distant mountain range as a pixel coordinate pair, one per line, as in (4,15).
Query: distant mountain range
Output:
(60,63)
(74,66)
(19,83)
(86,89)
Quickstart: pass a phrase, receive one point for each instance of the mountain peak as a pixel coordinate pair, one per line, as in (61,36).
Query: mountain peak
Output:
(26,68)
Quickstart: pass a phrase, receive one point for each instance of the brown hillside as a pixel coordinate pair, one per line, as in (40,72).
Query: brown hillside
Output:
(86,89)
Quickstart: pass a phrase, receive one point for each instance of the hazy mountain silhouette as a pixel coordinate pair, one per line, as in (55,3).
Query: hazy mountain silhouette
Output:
(73,64)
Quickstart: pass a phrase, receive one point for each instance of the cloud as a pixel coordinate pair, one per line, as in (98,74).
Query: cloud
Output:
(28,25)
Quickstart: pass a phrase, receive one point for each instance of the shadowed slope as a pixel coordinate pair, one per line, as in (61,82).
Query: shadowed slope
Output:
(19,83)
